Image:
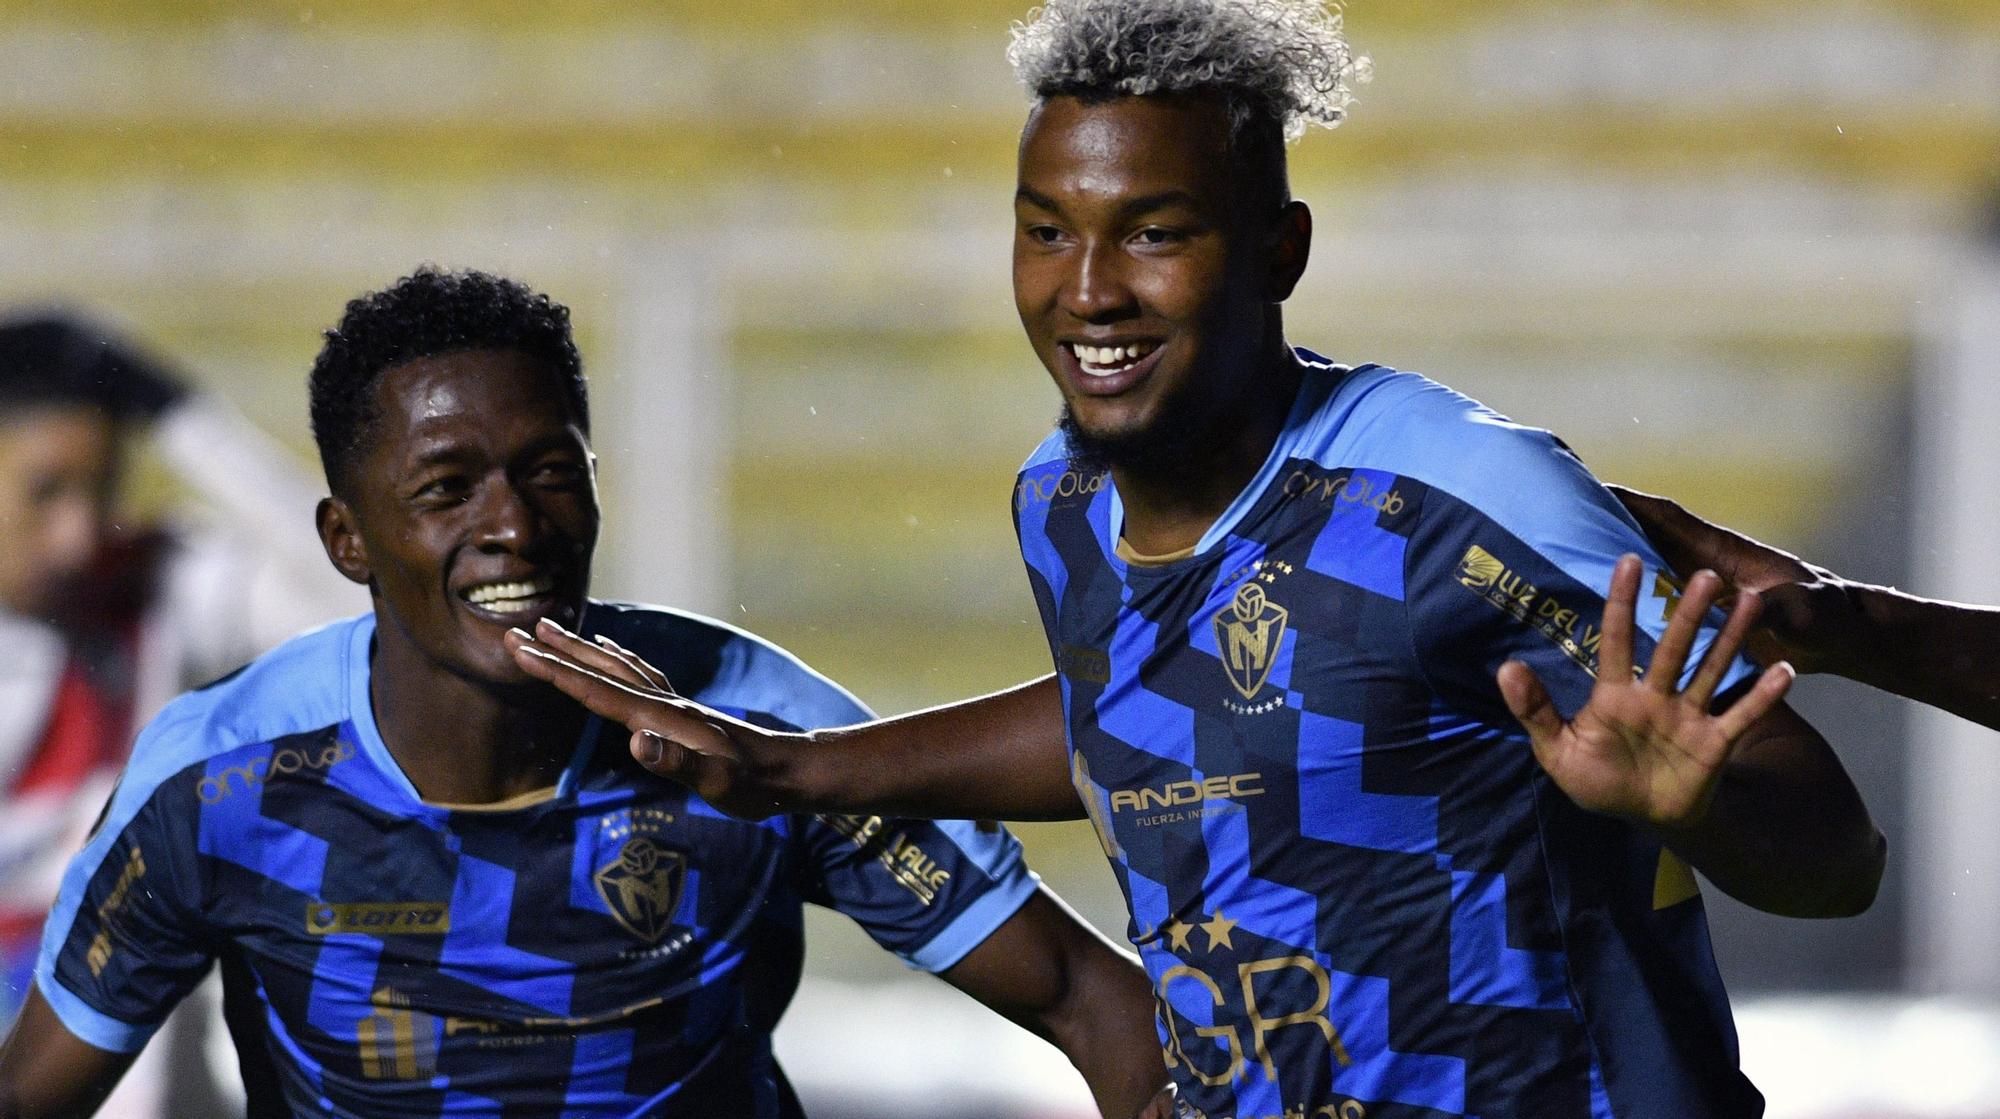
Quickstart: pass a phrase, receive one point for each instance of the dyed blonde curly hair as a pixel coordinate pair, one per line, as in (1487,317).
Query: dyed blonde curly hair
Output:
(1274,63)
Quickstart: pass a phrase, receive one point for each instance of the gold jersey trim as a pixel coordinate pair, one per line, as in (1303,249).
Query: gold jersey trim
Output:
(528,799)
(1126,553)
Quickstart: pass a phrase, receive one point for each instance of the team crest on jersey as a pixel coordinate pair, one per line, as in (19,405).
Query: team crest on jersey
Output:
(1247,633)
(642,886)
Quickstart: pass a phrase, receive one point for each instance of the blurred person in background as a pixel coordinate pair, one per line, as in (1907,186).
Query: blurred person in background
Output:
(1946,654)
(1296,610)
(104,620)
(435,889)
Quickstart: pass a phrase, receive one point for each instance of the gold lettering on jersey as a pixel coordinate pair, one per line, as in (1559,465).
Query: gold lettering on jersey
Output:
(1176,1053)
(642,887)
(900,855)
(108,911)
(1344,488)
(1500,587)
(1261,1027)
(379,918)
(217,787)
(396,1043)
(1262,1019)
(1247,633)
(100,952)
(1069,483)
(1174,794)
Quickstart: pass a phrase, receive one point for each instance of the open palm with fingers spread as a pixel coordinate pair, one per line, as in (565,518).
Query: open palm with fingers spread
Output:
(1643,747)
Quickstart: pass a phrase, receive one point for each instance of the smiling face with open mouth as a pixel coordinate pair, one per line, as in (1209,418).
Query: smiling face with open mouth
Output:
(473,509)
(1136,274)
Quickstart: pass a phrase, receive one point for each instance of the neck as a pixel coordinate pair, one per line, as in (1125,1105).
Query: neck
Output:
(463,742)
(1168,507)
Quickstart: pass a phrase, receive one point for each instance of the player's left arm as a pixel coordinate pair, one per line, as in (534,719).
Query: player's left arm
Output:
(1741,788)
(1048,972)
(1946,654)
(1513,556)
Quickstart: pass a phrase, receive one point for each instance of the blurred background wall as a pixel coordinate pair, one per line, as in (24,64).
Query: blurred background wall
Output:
(1722,246)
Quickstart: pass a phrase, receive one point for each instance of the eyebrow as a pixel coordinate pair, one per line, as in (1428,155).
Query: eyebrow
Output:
(1129,208)
(436,452)
(451,452)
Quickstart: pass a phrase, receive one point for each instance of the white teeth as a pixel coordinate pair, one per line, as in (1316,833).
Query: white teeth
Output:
(509,598)
(1102,361)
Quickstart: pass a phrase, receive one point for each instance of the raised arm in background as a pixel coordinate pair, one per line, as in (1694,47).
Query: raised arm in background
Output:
(1945,654)
(1741,788)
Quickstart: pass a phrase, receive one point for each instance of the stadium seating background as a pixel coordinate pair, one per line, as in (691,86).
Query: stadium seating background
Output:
(1700,240)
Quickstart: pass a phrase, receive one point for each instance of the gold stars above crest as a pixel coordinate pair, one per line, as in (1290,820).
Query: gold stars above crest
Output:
(1178,933)
(1268,570)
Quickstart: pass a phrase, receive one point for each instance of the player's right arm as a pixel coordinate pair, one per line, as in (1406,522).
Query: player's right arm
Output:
(1001,756)
(1946,654)
(47,1072)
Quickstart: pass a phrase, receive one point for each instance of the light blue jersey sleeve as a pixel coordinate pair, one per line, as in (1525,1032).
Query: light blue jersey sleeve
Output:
(1512,544)
(928,890)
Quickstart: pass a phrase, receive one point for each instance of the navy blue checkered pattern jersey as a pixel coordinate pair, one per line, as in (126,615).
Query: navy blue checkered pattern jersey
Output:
(1355,891)
(616,947)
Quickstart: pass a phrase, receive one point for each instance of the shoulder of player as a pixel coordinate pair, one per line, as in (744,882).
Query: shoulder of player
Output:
(301,685)
(1408,425)
(1054,449)
(298,687)
(726,666)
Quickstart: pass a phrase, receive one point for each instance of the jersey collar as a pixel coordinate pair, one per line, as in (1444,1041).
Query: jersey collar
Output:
(1321,377)
(361,713)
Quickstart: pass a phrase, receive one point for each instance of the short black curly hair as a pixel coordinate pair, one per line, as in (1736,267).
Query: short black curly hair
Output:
(427,313)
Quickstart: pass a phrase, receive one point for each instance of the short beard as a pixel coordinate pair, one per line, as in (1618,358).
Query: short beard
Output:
(1161,450)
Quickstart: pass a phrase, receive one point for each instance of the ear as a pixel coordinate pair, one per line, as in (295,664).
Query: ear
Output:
(1291,237)
(341,538)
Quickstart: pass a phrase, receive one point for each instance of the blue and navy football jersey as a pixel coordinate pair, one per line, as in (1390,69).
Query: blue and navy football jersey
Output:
(1354,889)
(615,947)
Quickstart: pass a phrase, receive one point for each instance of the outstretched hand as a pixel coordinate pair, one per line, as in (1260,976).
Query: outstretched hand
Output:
(705,750)
(1644,748)
(1810,619)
